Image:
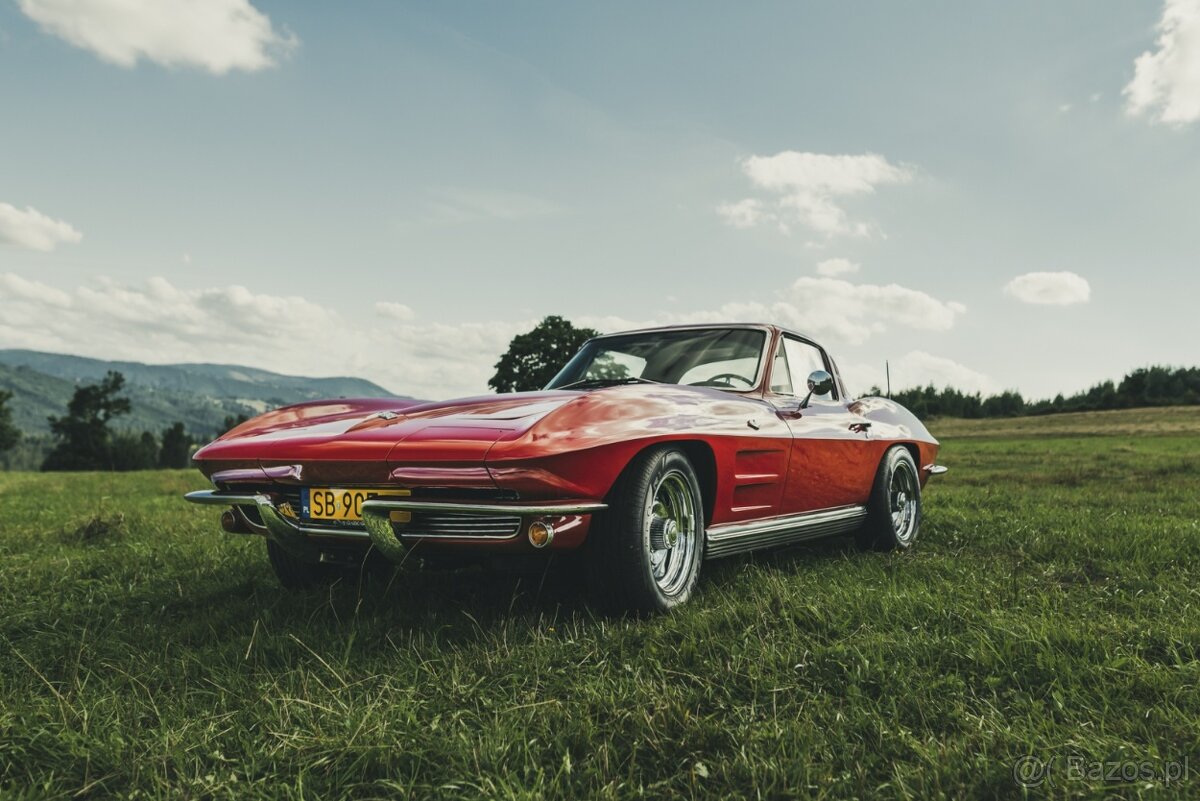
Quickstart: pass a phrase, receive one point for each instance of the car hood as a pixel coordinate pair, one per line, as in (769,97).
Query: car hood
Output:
(379,429)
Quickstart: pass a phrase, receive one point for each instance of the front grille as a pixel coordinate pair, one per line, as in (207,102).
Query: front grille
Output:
(458,524)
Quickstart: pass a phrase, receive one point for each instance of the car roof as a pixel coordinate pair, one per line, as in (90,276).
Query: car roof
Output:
(699,326)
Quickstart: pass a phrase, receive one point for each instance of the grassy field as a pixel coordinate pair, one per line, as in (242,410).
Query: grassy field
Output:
(1049,610)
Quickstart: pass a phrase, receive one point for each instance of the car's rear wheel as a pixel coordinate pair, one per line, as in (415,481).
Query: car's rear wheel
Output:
(644,553)
(894,509)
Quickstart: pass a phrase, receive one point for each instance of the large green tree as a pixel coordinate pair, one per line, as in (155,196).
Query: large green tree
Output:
(533,358)
(82,437)
(9,435)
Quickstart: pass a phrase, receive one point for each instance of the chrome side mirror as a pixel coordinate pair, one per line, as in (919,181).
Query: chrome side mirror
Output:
(819,383)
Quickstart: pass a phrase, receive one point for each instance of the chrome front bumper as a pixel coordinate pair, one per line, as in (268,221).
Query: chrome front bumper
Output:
(298,539)
(290,534)
(377,516)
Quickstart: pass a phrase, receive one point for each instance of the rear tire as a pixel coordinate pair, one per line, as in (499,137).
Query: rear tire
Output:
(297,574)
(643,553)
(894,509)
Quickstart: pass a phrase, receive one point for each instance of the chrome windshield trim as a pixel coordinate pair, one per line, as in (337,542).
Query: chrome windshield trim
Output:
(771,333)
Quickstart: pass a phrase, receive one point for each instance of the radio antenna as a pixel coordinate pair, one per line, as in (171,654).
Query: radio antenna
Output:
(887,368)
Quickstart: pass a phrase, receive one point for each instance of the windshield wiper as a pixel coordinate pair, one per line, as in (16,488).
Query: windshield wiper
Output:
(607,382)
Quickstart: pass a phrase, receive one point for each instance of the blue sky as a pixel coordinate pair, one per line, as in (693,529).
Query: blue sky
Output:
(394,190)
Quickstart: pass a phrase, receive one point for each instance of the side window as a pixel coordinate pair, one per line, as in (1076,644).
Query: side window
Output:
(781,376)
(804,359)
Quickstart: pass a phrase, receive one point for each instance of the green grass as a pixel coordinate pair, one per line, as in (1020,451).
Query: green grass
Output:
(1149,421)
(1050,608)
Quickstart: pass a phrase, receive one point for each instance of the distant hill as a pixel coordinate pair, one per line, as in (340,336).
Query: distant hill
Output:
(199,395)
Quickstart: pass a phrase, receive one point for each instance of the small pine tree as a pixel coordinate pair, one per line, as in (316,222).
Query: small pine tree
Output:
(9,435)
(176,448)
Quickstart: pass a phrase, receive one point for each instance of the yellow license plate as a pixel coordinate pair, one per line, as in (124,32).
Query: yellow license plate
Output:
(332,503)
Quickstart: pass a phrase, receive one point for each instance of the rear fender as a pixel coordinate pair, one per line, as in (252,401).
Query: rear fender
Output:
(892,423)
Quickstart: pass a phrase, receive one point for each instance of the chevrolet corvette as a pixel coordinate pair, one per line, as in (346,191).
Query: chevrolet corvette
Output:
(650,452)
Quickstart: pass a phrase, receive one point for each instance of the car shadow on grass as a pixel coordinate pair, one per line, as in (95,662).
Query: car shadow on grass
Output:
(227,611)
(473,597)
(794,558)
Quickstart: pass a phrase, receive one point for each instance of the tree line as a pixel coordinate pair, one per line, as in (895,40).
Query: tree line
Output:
(1146,386)
(84,439)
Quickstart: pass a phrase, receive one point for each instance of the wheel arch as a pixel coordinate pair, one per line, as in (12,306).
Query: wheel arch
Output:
(921,456)
(703,461)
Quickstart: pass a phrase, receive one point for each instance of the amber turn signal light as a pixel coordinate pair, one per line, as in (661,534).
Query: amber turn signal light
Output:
(541,534)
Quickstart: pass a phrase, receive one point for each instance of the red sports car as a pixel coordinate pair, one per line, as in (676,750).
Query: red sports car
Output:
(649,452)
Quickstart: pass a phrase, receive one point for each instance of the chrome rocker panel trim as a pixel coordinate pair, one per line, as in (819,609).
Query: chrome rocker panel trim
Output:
(377,517)
(732,538)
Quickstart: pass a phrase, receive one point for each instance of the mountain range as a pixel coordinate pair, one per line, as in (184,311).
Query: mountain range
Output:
(200,396)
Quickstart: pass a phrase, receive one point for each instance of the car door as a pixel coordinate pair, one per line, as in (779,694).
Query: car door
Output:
(831,454)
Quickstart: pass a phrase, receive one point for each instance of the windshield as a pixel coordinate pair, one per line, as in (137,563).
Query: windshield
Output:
(725,358)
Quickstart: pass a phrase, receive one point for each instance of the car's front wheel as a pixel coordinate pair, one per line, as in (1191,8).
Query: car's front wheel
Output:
(644,552)
(894,509)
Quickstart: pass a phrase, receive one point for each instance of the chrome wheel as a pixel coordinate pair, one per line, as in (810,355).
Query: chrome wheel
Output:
(673,534)
(903,500)
(643,553)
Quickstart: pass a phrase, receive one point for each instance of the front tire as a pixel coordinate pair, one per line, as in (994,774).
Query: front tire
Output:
(643,554)
(894,509)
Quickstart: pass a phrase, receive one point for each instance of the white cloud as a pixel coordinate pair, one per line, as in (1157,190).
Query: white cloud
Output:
(213,35)
(1050,289)
(806,189)
(156,321)
(394,311)
(1166,81)
(916,369)
(17,287)
(742,214)
(454,206)
(29,228)
(831,268)
(839,311)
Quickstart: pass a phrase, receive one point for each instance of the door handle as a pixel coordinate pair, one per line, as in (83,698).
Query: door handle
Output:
(861,427)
